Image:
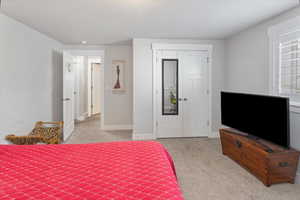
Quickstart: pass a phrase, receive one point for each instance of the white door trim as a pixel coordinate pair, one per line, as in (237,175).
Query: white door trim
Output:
(78,51)
(181,47)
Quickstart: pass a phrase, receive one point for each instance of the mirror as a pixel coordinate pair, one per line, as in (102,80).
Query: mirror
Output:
(169,86)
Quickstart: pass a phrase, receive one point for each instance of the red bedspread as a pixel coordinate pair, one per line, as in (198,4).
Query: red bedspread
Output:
(116,171)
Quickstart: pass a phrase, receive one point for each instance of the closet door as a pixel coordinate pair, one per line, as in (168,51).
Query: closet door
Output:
(195,93)
(182,98)
(169,88)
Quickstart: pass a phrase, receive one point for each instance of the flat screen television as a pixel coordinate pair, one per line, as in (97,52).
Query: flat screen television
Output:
(265,117)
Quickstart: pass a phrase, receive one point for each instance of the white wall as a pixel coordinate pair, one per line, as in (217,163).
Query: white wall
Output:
(83,73)
(118,105)
(81,87)
(247,67)
(142,62)
(29,65)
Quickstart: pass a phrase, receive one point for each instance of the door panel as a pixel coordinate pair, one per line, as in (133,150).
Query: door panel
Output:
(68,94)
(182,99)
(169,110)
(195,94)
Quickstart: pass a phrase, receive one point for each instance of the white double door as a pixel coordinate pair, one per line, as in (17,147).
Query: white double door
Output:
(182,94)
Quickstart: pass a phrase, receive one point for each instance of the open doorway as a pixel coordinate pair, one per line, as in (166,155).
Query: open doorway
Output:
(95,68)
(88,83)
(85,87)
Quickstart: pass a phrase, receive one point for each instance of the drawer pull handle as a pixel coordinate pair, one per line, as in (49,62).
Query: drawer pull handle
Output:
(283,164)
(238,144)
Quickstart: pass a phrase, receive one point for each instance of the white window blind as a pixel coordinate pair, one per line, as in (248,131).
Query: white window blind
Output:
(289,70)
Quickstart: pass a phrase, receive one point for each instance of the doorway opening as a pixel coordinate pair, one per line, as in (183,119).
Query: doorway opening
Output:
(83,88)
(95,68)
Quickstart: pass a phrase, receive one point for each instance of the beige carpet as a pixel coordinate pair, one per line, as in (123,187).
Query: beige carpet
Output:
(203,172)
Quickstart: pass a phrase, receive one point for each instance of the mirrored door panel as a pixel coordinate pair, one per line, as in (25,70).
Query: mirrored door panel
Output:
(169,86)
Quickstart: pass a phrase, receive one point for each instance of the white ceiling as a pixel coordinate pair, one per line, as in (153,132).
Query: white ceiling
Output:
(114,21)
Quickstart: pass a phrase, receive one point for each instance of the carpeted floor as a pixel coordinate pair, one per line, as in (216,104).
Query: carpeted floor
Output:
(203,172)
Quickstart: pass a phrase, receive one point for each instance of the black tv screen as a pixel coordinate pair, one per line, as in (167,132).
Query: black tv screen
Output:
(265,117)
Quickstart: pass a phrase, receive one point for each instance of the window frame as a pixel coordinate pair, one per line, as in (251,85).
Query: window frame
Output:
(275,34)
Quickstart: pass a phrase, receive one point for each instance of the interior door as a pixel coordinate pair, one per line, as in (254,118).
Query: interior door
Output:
(96,81)
(182,98)
(169,86)
(68,94)
(195,93)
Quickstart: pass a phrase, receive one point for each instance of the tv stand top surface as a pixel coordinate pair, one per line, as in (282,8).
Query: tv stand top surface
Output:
(267,146)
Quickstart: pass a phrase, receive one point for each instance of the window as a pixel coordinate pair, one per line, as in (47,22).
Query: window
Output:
(285,60)
(289,67)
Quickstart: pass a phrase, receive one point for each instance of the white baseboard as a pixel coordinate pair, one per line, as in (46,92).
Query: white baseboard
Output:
(297,179)
(68,129)
(82,117)
(143,136)
(214,134)
(116,127)
(67,138)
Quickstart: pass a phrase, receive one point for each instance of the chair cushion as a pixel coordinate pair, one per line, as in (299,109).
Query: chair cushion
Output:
(46,132)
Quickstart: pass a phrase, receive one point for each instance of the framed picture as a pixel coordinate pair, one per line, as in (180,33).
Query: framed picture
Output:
(118,75)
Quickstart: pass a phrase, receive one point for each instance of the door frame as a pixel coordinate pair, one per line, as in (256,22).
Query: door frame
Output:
(181,47)
(91,89)
(89,83)
(93,53)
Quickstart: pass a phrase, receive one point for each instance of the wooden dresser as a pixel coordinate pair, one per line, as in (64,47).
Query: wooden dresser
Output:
(268,162)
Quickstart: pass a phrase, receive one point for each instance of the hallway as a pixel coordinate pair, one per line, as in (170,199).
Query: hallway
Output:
(89,131)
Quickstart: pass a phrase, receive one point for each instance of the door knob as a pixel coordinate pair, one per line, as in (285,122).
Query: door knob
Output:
(185,99)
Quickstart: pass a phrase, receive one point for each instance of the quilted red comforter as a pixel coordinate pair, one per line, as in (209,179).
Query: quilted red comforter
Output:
(116,171)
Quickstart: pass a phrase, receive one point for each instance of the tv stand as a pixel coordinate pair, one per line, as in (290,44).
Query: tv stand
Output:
(266,147)
(270,163)
(252,137)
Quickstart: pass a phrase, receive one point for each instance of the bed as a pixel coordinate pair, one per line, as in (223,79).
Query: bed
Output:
(118,171)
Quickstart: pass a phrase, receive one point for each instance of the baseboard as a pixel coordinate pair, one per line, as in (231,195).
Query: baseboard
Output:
(82,117)
(214,134)
(116,127)
(65,140)
(297,179)
(143,136)
(68,129)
